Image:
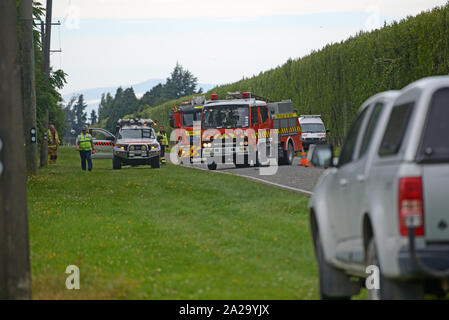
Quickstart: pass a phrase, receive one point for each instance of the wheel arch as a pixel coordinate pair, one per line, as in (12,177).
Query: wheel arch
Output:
(367,232)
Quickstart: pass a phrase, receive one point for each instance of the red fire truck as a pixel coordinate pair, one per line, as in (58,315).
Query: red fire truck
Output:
(183,119)
(245,129)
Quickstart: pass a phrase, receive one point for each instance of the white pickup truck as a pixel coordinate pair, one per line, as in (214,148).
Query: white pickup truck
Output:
(386,202)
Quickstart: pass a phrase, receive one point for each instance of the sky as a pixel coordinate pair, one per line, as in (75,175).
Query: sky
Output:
(122,42)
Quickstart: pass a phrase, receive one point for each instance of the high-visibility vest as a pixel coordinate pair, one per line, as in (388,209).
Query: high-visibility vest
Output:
(52,143)
(164,140)
(84,142)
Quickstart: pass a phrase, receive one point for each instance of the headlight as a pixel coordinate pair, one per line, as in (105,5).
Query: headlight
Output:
(243,143)
(131,148)
(207,144)
(154,146)
(144,148)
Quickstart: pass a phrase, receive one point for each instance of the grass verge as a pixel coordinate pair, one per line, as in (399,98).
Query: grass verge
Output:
(169,233)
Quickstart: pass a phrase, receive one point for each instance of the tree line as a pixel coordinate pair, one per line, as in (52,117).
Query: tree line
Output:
(47,96)
(181,82)
(337,79)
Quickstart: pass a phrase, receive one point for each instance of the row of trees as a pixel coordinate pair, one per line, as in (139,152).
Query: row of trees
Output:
(335,80)
(180,83)
(76,116)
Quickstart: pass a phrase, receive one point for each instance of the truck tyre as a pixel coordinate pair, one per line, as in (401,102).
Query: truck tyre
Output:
(116,163)
(155,162)
(212,166)
(391,289)
(334,284)
(288,155)
(241,165)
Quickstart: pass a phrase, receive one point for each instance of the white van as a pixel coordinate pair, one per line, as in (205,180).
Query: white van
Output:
(313,130)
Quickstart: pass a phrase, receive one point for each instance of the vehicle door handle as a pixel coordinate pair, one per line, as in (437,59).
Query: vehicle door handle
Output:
(360,177)
(343,182)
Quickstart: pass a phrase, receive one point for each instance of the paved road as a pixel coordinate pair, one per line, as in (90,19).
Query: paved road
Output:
(294,177)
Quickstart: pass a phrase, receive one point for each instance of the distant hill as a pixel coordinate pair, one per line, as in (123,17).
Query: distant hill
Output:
(93,96)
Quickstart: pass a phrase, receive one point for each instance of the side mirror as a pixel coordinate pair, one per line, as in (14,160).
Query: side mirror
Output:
(327,131)
(322,156)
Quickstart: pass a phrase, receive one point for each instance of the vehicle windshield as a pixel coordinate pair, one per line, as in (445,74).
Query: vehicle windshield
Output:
(136,134)
(227,116)
(189,117)
(312,127)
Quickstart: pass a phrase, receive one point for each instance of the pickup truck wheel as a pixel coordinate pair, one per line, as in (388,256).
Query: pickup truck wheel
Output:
(334,284)
(391,289)
(212,166)
(116,163)
(155,162)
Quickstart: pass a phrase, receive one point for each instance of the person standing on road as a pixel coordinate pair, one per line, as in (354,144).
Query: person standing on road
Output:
(53,143)
(163,142)
(85,146)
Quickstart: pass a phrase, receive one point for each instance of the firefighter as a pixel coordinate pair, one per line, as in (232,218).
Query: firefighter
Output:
(53,143)
(85,146)
(163,142)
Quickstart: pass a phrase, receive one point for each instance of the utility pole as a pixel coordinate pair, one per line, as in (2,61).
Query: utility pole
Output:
(15,280)
(28,86)
(46,70)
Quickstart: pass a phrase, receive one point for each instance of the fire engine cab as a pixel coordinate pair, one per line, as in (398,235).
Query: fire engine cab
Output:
(245,129)
(186,119)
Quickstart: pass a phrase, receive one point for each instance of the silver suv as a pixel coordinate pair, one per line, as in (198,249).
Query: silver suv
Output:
(135,143)
(386,201)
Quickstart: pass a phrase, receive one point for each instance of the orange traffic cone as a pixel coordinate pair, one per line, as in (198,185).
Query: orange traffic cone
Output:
(304,162)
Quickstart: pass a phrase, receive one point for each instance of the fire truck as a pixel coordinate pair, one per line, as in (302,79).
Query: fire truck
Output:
(246,129)
(183,119)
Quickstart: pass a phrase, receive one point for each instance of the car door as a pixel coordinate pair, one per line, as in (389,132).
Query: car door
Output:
(356,177)
(104,143)
(340,185)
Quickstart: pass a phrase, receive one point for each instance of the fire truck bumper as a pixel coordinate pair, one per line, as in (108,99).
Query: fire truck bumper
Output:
(227,151)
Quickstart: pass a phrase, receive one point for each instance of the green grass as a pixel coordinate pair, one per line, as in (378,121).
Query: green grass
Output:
(169,233)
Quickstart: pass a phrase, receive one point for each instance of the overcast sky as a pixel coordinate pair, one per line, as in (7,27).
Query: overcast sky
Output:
(118,42)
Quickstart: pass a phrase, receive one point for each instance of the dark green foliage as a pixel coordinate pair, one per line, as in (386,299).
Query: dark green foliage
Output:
(93,117)
(336,80)
(47,96)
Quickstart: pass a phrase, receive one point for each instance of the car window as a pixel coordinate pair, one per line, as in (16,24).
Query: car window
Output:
(100,135)
(396,128)
(254,116)
(264,114)
(435,143)
(347,150)
(370,128)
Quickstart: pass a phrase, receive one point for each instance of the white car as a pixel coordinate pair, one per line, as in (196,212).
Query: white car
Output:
(385,203)
(313,130)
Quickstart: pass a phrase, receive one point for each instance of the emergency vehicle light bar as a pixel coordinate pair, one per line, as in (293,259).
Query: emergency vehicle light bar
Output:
(137,122)
(245,95)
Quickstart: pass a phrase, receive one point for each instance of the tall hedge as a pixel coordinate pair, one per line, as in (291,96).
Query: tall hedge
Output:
(335,80)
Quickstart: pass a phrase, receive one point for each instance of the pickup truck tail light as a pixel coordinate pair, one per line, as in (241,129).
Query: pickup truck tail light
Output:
(411,209)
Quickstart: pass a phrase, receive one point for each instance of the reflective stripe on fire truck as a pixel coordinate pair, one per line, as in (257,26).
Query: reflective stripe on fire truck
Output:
(285,115)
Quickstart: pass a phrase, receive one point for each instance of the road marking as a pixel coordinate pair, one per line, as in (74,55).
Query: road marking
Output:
(309,193)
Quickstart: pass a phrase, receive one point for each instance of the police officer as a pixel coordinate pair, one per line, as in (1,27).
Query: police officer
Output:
(163,142)
(85,146)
